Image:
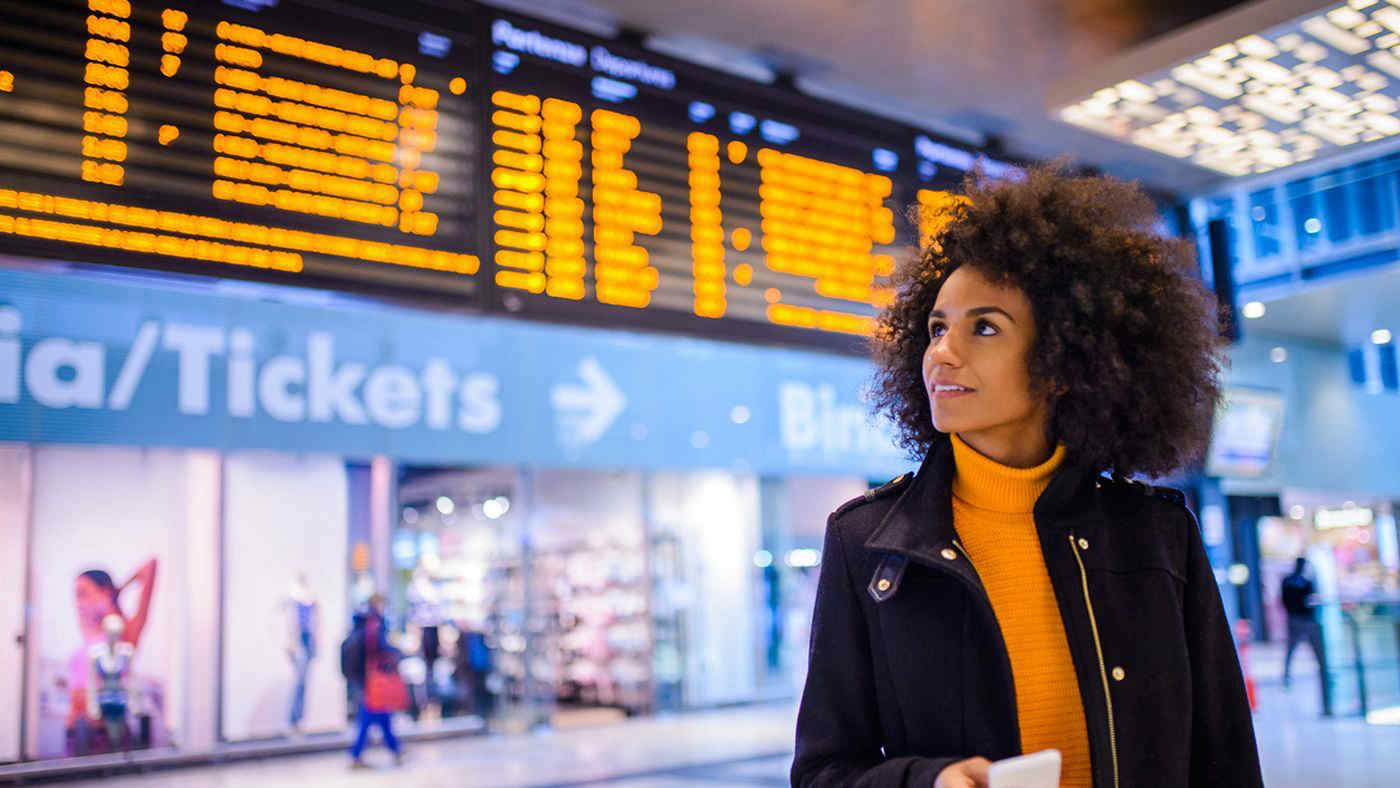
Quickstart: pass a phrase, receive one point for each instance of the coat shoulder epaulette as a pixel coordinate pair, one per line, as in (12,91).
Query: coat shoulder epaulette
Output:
(890,487)
(1168,494)
(1135,487)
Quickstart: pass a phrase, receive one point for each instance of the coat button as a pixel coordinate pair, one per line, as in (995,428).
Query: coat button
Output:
(1083,543)
(883,585)
(1118,674)
(949,554)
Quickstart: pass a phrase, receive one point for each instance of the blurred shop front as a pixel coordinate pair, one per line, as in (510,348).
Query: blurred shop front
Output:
(565,536)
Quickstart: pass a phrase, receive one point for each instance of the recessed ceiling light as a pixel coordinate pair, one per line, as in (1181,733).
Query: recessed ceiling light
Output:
(1380,336)
(1278,355)
(1253,310)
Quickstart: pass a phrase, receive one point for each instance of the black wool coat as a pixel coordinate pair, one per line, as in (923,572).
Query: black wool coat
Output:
(908,670)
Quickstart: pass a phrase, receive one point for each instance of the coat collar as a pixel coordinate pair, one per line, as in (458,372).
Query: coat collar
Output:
(920,523)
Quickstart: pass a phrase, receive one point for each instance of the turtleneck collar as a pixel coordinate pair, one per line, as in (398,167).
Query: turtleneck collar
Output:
(985,483)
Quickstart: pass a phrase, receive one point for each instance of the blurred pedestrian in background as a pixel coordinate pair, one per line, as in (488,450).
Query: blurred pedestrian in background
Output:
(370,666)
(1297,590)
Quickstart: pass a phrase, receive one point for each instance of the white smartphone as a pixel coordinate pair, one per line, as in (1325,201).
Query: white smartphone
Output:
(1037,770)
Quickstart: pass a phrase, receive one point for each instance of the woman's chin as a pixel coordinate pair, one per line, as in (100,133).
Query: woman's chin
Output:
(947,424)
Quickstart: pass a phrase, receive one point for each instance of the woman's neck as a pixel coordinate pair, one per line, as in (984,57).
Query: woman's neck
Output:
(983,482)
(1021,449)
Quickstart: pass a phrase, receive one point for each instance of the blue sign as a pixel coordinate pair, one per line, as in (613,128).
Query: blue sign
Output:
(102,360)
(434,45)
(612,90)
(885,160)
(701,111)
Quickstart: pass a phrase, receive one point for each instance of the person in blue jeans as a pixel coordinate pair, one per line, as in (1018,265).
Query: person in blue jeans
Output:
(366,650)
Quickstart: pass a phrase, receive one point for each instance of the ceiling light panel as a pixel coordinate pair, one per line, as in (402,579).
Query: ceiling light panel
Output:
(1296,91)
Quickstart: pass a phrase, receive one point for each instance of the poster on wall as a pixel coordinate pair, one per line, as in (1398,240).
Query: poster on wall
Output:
(105,658)
(285,546)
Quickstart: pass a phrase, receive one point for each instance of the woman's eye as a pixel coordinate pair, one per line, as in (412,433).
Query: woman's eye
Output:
(935,330)
(981,324)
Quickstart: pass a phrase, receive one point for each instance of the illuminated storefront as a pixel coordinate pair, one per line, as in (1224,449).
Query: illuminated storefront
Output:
(564,538)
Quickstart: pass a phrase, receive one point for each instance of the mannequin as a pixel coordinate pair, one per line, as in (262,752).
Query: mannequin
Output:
(302,614)
(426,607)
(110,663)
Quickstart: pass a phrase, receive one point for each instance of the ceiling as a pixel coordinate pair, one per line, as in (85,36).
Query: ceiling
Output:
(976,69)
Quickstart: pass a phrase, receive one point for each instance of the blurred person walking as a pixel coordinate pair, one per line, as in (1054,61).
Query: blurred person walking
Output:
(1009,597)
(1297,590)
(370,667)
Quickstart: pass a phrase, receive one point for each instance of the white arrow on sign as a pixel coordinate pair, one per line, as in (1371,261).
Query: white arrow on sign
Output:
(586,411)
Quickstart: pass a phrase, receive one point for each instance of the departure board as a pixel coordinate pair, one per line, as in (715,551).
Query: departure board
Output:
(305,140)
(449,152)
(623,181)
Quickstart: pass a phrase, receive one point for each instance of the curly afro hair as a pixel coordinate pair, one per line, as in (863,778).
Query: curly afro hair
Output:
(1127,349)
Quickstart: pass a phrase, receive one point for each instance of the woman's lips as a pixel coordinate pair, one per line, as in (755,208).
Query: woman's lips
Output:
(950,393)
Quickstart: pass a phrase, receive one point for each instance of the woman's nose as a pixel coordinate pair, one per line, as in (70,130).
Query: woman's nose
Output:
(942,350)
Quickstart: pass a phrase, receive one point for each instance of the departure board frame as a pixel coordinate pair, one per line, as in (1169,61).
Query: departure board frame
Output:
(354,146)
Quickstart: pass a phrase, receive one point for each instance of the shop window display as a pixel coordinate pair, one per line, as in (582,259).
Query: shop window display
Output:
(459,595)
(709,593)
(285,532)
(590,594)
(529,597)
(110,603)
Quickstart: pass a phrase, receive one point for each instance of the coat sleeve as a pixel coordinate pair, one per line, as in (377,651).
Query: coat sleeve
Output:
(1223,750)
(838,723)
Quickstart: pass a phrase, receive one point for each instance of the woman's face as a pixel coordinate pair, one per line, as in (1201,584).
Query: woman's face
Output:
(92,601)
(975,368)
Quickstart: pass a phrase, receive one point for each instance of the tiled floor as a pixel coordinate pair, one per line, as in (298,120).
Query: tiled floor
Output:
(751,748)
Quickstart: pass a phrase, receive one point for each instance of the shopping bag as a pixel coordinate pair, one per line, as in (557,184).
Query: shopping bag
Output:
(385,691)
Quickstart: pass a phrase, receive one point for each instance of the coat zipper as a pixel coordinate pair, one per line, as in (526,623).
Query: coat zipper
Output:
(1098,647)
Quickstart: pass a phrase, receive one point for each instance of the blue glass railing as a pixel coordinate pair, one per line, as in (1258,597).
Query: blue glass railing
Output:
(1362,654)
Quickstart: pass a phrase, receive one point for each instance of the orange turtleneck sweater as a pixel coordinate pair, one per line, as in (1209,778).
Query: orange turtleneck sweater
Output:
(992,505)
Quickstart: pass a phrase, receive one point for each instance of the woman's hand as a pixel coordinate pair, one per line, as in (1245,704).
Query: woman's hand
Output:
(971,773)
(143,574)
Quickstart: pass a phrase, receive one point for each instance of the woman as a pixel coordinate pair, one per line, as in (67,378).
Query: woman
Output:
(1008,598)
(95,597)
